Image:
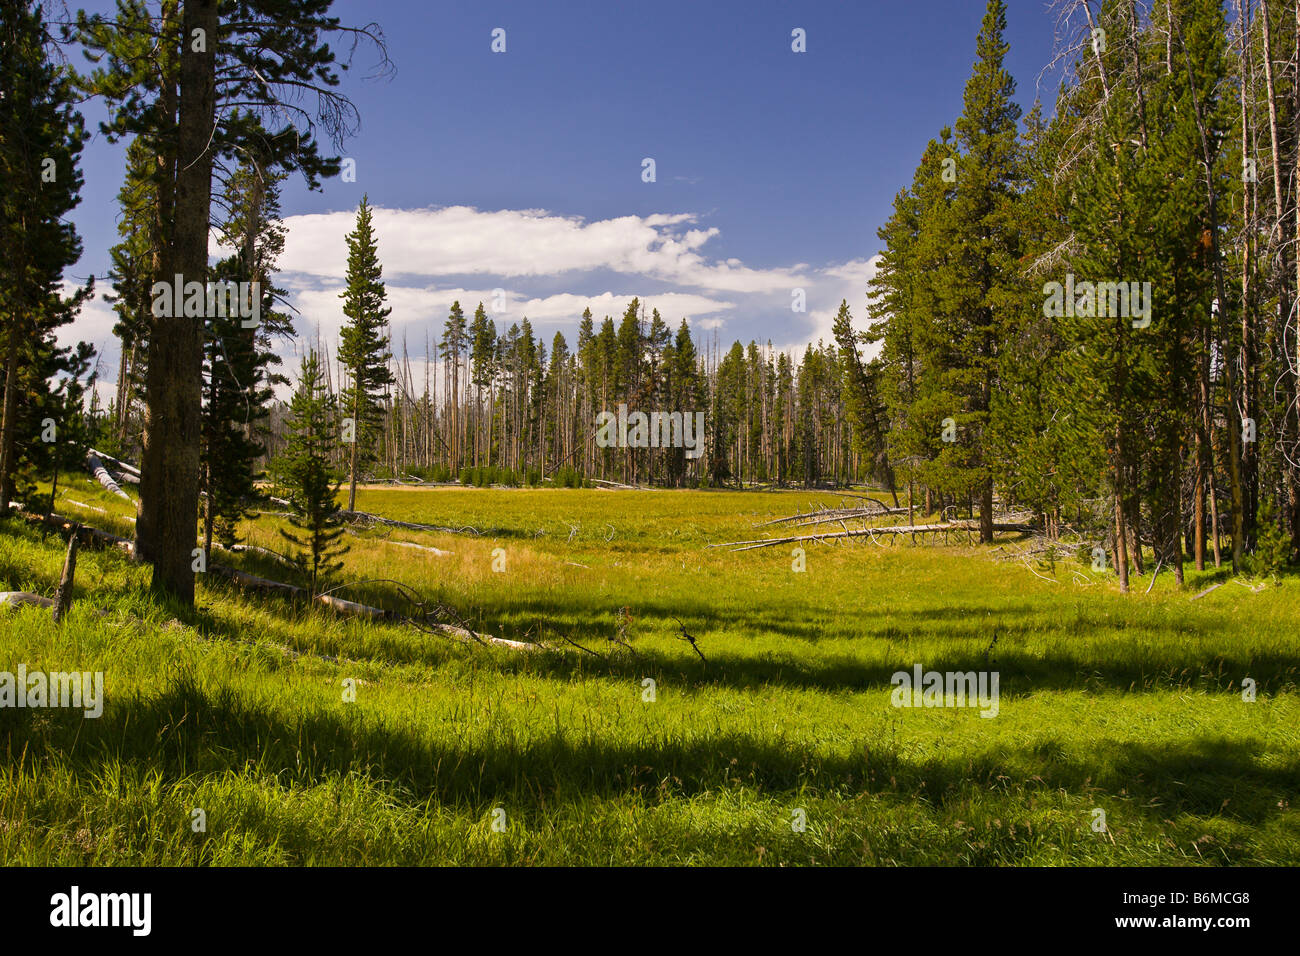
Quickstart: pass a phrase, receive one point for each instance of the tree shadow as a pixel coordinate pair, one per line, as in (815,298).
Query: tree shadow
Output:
(188,731)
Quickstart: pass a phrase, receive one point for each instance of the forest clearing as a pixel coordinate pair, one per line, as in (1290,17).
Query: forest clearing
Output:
(776,744)
(676,435)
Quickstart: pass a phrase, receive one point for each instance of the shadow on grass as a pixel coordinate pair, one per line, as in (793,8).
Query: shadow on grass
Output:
(187,731)
(1133,669)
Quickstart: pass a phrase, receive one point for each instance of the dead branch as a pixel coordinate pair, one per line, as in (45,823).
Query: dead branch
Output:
(690,639)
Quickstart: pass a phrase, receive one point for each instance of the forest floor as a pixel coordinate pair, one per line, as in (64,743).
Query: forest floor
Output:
(782,747)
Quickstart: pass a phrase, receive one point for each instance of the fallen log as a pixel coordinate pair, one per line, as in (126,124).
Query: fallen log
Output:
(101,474)
(613,484)
(86,534)
(437,552)
(252,581)
(362,517)
(130,472)
(255,549)
(871,532)
(104,511)
(356,609)
(1212,587)
(21,598)
(848,514)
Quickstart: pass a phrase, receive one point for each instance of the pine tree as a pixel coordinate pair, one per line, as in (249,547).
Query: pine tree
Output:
(311,484)
(453,346)
(862,403)
(239,354)
(363,347)
(978,286)
(135,265)
(41,137)
(684,394)
(483,341)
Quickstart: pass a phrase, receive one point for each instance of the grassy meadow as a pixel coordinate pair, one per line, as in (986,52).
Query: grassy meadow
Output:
(781,748)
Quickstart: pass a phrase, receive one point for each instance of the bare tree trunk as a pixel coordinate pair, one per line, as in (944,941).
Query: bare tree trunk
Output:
(1198,506)
(1249,412)
(63,597)
(1278,247)
(1297,203)
(1214,521)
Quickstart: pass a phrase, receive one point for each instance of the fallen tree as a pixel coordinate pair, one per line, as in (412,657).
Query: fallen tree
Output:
(87,535)
(907,529)
(23,598)
(436,552)
(96,537)
(828,515)
(356,609)
(127,473)
(103,477)
(365,517)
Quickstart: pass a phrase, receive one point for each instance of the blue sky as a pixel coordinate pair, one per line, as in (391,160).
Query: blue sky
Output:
(522,170)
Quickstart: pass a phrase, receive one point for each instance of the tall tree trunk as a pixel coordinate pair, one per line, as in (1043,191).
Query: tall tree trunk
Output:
(1121,540)
(1250,206)
(1198,505)
(1279,248)
(169,487)
(354,451)
(986,511)
(8,419)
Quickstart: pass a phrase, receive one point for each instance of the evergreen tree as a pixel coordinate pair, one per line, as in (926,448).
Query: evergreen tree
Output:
(135,265)
(978,286)
(453,351)
(41,137)
(363,346)
(483,342)
(311,484)
(862,403)
(239,354)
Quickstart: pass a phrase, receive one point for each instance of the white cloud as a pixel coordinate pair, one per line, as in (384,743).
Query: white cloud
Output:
(551,268)
(425,308)
(94,324)
(526,243)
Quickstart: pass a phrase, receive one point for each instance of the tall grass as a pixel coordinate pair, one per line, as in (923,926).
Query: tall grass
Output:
(1127,704)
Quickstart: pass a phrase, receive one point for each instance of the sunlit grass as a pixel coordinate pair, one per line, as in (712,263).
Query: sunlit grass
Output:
(1128,704)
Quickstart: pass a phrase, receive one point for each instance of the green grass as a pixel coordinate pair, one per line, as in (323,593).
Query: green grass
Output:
(1128,704)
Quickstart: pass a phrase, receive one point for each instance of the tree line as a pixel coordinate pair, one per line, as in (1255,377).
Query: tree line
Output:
(1093,317)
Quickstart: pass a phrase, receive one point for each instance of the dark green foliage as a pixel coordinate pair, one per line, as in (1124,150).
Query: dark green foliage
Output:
(311,484)
(1273,551)
(41,138)
(239,357)
(363,345)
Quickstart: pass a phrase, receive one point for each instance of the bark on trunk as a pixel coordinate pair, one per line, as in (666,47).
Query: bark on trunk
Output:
(8,424)
(169,490)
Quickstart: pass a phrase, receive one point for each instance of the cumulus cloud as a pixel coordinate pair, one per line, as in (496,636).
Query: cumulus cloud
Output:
(527,243)
(420,308)
(548,268)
